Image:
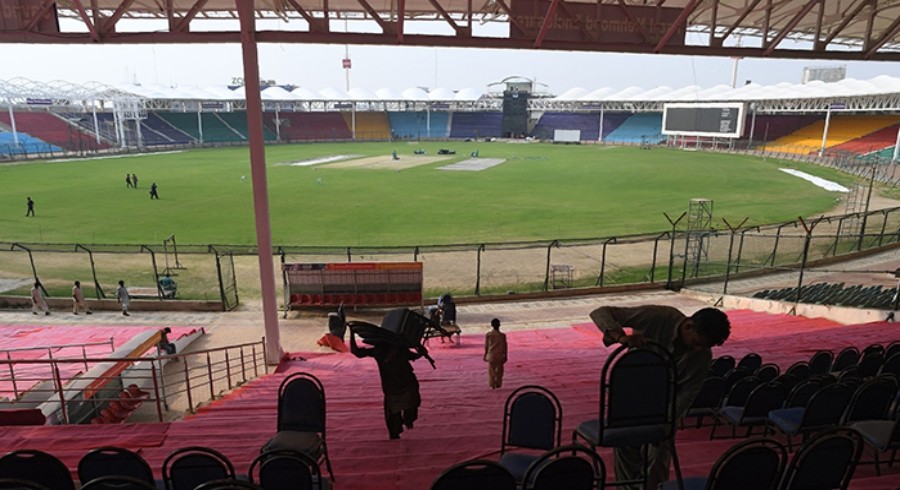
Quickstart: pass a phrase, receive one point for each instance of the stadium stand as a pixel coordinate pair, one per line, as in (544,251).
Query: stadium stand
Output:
(476,125)
(51,128)
(638,128)
(369,125)
(309,126)
(587,123)
(26,145)
(841,129)
(237,121)
(156,131)
(418,125)
(872,142)
(770,127)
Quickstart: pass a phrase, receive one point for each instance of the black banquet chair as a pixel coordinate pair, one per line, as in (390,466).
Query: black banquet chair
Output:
(824,411)
(532,420)
(17,484)
(753,464)
(117,482)
(477,474)
(301,418)
(826,461)
(189,467)
(36,466)
(882,436)
(286,470)
(228,484)
(572,467)
(113,461)
(637,405)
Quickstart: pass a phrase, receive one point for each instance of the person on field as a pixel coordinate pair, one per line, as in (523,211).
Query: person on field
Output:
(495,354)
(78,300)
(30,204)
(153,194)
(37,299)
(128,181)
(123,297)
(134,180)
(689,340)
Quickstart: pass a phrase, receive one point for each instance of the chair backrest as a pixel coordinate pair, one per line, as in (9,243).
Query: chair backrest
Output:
(721,365)
(891,366)
(738,394)
(826,407)
(16,484)
(763,399)
(475,474)
(532,418)
(572,467)
(188,467)
(749,465)
(285,470)
(751,362)
(113,461)
(891,349)
(870,363)
(117,482)
(802,392)
(847,357)
(735,375)
(799,370)
(767,372)
(301,404)
(873,348)
(871,400)
(36,466)
(828,460)
(820,362)
(711,393)
(637,388)
(228,484)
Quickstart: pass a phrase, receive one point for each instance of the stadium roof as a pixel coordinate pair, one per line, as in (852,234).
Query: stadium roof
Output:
(21,89)
(814,29)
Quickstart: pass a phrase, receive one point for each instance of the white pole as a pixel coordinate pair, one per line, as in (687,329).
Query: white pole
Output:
(200,121)
(277,123)
(96,124)
(896,147)
(428,121)
(12,124)
(825,132)
(752,127)
(734,71)
(600,139)
(353,118)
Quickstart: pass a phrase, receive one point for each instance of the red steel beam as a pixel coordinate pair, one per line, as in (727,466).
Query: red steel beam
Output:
(185,23)
(786,30)
(736,23)
(95,37)
(45,8)
(889,34)
(641,31)
(682,18)
(443,13)
(548,18)
(844,23)
(315,25)
(110,23)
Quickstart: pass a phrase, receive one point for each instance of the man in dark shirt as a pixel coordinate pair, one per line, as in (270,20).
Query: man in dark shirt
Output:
(689,339)
(398,381)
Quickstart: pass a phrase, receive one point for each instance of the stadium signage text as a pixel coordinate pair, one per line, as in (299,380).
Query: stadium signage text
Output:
(603,23)
(16,14)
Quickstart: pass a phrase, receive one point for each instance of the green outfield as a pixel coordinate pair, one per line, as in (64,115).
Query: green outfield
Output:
(539,191)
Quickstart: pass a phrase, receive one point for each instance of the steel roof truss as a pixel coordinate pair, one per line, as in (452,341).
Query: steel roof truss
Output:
(625,10)
(734,26)
(849,18)
(785,30)
(45,8)
(315,24)
(889,34)
(184,24)
(461,31)
(387,27)
(682,18)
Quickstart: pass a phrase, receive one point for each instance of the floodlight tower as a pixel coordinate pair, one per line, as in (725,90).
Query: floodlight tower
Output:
(700,215)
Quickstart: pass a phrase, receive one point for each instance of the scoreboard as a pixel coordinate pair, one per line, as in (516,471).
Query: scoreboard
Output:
(725,120)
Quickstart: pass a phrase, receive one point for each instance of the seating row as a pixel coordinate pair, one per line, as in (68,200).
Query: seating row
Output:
(360,299)
(130,399)
(188,468)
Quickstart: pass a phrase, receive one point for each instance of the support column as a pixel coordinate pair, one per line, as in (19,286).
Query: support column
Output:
(245,9)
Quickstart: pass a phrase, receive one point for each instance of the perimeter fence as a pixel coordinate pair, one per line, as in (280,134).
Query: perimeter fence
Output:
(666,259)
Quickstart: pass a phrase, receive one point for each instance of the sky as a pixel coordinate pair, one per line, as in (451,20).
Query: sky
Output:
(317,67)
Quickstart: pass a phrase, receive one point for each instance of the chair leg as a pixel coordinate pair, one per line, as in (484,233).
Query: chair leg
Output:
(877,465)
(678,477)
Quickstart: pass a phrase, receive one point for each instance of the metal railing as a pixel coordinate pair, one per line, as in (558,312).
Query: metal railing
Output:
(184,381)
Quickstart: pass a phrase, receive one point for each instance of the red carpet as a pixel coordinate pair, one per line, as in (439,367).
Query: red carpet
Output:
(460,417)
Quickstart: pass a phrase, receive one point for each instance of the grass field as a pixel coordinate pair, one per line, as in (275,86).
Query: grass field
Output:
(540,191)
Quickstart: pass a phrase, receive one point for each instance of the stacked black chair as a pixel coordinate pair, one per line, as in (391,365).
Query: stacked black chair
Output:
(301,418)
(825,461)
(823,412)
(573,467)
(117,482)
(286,470)
(847,357)
(820,362)
(113,461)
(228,484)
(755,412)
(631,417)
(871,401)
